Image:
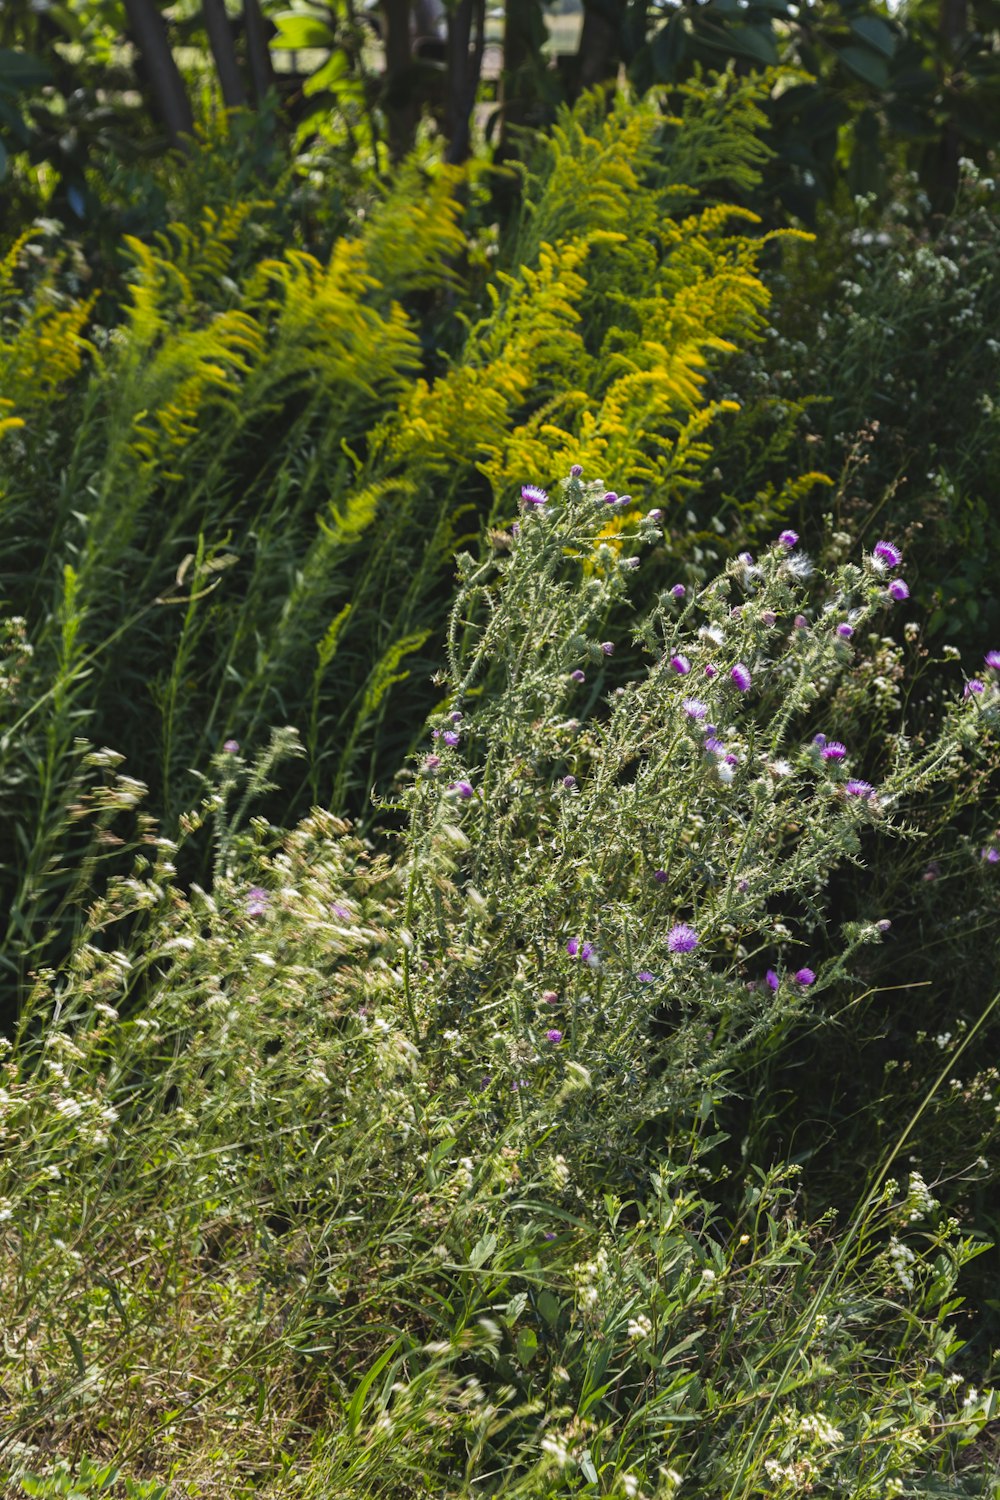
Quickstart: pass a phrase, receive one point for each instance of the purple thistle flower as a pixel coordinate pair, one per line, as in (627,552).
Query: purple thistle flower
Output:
(585,951)
(898,590)
(630,562)
(694,708)
(805,977)
(991,856)
(432,762)
(678,591)
(992,660)
(608,647)
(578,676)
(232,747)
(741,676)
(714,746)
(681,938)
(973,686)
(772,979)
(554,1036)
(660,876)
(887,555)
(819,739)
(463,788)
(645,977)
(450,737)
(833,750)
(746,558)
(576,471)
(855,788)
(681,665)
(611,498)
(533,494)
(769,617)
(569,782)
(340,910)
(456,717)
(655,514)
(845,632)
(800,622)
(789,539)
(257,901)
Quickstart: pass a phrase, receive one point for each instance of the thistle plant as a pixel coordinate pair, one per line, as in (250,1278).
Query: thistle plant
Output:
(641,863)
(400,1168)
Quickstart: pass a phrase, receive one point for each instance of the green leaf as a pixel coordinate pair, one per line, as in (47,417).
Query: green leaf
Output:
(548,1306)
(875,33)
(866,65)
(756,43)
(667,51)
(77,1348)
(527,1345)
(297,31)
(482,1250)
(357,1404)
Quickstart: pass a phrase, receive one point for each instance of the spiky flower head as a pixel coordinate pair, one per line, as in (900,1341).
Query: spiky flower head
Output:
(533,494)
(681,938)
(257,901)
(740,675)
(886,555)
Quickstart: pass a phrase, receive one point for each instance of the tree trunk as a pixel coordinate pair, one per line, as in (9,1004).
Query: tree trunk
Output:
(465,63)
(258,52)
(400,105)
(220,39)
(524,36)
(599,53)
(170,98)
(953,21)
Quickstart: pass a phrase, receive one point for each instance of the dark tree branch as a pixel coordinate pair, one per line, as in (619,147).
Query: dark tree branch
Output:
(401,109)
(220,39)
(599,53)
(170,98)
(465,63)
(258,52)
